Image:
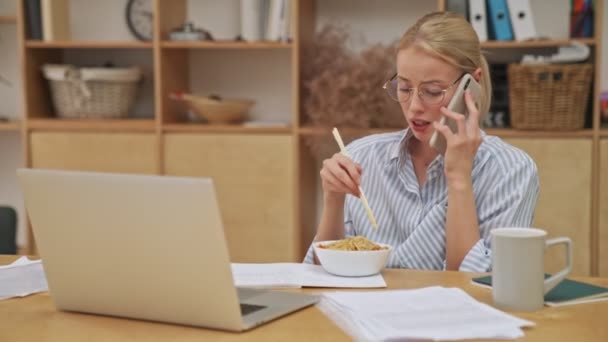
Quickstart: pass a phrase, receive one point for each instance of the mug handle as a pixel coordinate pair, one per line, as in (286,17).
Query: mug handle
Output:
(553,280)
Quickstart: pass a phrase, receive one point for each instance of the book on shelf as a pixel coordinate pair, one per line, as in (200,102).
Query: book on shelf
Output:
(34,19)
(278,21)
(567,292)
(522,19)
(55,20)
(581,19)
(251,20)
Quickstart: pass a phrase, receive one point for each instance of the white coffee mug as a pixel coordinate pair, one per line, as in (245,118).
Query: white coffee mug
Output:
(518,267)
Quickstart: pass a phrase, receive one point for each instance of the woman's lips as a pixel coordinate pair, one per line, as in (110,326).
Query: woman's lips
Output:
(420,125)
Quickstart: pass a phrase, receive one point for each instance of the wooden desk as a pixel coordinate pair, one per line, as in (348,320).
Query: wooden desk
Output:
(34,318)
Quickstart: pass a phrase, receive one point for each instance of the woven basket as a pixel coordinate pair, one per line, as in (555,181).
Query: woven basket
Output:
(92,92)
(549,97)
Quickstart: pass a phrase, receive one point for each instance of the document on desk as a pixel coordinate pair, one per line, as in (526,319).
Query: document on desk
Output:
(297,275)
(21,278)
(432,313)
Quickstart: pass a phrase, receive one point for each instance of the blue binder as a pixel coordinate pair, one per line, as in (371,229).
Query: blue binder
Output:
(499,22)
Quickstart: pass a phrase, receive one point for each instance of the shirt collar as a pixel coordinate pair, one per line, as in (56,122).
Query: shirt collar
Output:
(400,145)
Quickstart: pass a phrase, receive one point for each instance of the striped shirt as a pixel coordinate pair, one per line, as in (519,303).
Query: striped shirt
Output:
(412,218)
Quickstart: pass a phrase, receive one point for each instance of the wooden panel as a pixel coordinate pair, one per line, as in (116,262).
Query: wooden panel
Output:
(173,76)
(225,44)
(37,44)
(116,152)
(564,205)
(603,210)
(37,97)
(224,128)
(169,15)
(11,19)
(497,44)
(253,175)
(306,217)
(92,125)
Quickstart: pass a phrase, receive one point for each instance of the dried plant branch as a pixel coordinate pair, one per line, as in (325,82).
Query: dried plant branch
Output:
(344,89)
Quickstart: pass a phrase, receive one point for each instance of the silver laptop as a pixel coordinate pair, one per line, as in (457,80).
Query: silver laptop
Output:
(144,247)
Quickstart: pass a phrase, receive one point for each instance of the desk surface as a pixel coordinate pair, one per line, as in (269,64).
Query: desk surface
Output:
(35,318)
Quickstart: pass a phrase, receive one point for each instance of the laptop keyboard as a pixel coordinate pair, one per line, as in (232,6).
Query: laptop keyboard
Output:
(249,308)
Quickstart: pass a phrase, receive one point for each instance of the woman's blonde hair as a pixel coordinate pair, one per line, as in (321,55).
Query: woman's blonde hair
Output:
(450,37)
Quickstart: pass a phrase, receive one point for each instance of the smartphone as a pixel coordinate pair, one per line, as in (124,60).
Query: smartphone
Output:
(457,104)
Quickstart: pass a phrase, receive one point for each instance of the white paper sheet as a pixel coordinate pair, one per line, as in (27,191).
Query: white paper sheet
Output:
(297,275)
(21,278)
(433,313)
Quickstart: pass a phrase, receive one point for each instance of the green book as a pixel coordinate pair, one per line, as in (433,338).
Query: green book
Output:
(565,293)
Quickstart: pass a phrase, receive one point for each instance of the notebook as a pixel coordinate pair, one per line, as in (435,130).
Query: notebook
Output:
(567,292)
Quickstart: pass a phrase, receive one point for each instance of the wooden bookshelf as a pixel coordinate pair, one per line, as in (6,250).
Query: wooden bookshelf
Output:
(513,133)
(10,126)
(317,130)
(37,44)
(8,19)
(500,132)
(205,128)
(224,45)
(535,43)
(91,125)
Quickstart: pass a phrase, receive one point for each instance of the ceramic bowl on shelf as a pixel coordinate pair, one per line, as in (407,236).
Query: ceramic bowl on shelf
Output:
(216,110)
(352,263)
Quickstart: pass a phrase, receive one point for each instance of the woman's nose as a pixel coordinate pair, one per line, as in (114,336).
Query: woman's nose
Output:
(416,104)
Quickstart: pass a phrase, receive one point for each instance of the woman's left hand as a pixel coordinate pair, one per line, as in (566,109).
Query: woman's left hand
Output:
(461,146)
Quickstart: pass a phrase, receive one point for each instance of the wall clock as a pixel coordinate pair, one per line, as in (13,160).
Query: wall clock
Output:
(140,19)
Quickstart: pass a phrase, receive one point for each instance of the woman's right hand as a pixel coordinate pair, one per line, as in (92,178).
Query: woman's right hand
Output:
(340,175)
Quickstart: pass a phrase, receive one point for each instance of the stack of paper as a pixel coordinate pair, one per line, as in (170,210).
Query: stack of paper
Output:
(432,313)
(297,275)
(21,278)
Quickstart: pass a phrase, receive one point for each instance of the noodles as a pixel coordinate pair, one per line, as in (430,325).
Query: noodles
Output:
(357,243)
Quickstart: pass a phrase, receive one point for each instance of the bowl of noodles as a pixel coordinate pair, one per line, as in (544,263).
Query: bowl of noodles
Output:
(352,257)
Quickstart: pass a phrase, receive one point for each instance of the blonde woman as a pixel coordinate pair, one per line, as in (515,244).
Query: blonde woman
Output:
(436,211)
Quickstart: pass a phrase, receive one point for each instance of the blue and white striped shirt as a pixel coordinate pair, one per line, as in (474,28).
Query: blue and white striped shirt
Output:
(412,218)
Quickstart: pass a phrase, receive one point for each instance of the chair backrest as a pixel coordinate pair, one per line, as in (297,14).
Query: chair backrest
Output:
(8,230)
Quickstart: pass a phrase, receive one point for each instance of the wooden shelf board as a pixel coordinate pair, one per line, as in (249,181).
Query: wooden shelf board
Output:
(224,45)
(513,133)
(535,43)
(196,128)
(9,126)
(604,132)
(37,44)
(9,19)
(502,132)
(92,125)
(326,130)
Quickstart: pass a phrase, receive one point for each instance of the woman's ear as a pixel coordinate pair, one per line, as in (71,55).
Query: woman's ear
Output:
(477,74)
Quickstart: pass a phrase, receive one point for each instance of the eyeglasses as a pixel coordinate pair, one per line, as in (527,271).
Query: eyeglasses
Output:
(429,93)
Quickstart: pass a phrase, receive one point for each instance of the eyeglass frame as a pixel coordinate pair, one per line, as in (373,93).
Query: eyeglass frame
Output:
(444,91)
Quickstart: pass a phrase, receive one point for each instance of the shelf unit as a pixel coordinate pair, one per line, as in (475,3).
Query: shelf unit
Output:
(535,43)
(36,44)
(95,125)
(10,19)
(280,211)
(224,45)
(9,126)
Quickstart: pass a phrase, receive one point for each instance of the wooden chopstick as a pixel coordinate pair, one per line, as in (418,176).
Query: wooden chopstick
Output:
(363,199)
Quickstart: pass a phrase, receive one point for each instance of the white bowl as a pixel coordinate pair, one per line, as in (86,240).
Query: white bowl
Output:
(352,263)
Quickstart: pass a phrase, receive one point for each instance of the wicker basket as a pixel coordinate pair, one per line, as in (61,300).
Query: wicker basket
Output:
(549,97)
(92,92)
